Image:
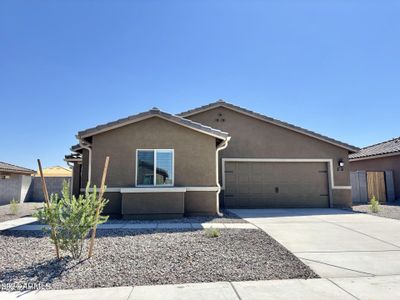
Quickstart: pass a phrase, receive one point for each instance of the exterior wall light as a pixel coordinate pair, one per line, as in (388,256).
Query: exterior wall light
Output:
(340,165)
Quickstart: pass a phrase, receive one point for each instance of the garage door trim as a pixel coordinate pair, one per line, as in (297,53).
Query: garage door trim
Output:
(329,161)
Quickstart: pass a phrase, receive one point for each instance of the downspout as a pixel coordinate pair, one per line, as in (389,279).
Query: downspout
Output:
(87,146)
(71,185)
(221,147)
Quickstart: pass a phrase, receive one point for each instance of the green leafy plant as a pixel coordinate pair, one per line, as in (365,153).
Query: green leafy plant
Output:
(72,218)
(14,207)
(374,205)
(212,232)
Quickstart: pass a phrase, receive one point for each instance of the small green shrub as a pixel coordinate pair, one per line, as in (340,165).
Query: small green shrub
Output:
(374,205)
(14,207)
(212,232)
(72,218)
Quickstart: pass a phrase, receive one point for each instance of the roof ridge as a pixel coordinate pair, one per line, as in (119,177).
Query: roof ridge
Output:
(380,143)
(220,102)
(274,120)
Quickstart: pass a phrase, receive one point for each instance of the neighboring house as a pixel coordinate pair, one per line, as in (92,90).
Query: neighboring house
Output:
(54,176)
(15,183)
(178,164)
(376,172)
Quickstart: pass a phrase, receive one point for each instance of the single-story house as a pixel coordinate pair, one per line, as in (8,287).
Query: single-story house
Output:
(190,163)
(375,171)
(15,183)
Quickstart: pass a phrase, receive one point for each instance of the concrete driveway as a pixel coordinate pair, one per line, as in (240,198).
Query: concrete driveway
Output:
(334,243)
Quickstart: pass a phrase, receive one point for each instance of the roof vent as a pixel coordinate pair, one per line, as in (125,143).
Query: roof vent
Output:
(155,109)
(221,101)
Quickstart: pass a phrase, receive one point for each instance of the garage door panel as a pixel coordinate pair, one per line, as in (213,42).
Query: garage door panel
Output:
(276,184)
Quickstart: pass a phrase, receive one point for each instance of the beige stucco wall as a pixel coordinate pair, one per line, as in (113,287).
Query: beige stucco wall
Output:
(76,178)
(85,168)
(200,203)
(113,206)
(253,138)
(151,204)
(194,152)
(194,165)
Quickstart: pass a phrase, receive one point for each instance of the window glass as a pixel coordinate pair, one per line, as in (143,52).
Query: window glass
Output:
(158,163)
(145,167)
(164,167)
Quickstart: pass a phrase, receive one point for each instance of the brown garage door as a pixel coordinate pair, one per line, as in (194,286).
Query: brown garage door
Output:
(276,184)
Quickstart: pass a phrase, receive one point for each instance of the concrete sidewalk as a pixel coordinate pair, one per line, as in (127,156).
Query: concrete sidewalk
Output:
(151,226)
(16,223)
(383,287)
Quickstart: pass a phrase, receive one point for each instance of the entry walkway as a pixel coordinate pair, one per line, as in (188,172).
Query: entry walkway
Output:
(23,224)
(16,223)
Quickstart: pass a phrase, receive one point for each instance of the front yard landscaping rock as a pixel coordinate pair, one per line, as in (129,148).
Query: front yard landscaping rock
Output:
(125,258)
(389,210)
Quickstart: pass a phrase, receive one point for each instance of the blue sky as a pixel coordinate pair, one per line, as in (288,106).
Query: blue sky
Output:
(329,66)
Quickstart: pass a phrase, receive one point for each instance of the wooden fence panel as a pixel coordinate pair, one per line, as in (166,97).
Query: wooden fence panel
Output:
(376,186)
(359,192)
(390,186)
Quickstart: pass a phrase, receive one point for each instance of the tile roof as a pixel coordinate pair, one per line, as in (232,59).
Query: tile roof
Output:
(388,147)
(73,157)
(154,112)
(222,103)
(56,171)
(9,168)
(76,148)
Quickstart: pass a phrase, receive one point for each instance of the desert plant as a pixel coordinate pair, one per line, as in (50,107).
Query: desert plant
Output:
(374,205)
(14,207)
(212,232)
(72,218)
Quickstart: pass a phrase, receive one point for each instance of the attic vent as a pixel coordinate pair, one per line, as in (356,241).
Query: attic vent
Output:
(219,118)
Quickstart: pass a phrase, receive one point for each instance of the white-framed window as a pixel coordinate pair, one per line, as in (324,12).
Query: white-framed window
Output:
(154,167)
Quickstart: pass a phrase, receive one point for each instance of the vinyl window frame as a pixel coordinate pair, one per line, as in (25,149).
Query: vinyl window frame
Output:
(155,185)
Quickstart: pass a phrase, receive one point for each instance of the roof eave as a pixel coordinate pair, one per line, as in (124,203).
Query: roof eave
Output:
(30,172)
(374,156)
(91,132)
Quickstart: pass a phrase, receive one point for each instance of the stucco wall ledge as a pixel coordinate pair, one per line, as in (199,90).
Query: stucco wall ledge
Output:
(158,189)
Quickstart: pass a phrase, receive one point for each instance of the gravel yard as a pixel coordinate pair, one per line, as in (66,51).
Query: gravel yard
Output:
(124,258)
(24,209)
(389,210)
